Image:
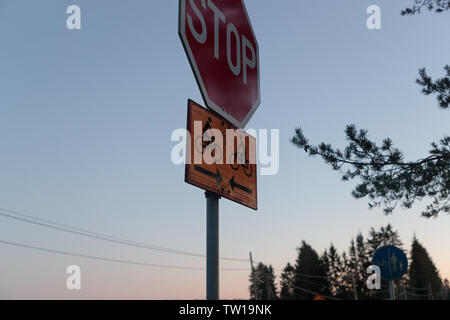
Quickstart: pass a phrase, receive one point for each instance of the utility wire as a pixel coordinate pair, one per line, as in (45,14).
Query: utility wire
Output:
(311,276)
(315,293)
(95,235)
(92,235)
(415,294)
(414,288)
(311,282)
(67,253)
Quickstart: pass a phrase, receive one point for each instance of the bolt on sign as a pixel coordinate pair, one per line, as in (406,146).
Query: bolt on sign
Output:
(221,158)
(223,52)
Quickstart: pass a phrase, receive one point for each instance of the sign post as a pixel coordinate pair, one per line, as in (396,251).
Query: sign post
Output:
(233,177)
(212,246)
(391,289)
(223,52)
(391,281)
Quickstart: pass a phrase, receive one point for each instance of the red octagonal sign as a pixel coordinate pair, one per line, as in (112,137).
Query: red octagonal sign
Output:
(224,55)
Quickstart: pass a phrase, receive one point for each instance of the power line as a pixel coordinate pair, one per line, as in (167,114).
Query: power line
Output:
(105,238)
(415,294)
(95,235)
(67,253)
(311,276)
(304,274)
(311,282)
(417,289)
(315,293)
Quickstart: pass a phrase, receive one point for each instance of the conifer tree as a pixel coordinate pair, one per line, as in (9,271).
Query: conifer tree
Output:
(423,274)
(335,272)
(287,282)
(310,274)
(263,278)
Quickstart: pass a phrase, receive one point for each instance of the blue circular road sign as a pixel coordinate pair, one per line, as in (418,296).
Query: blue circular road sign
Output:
(392,262)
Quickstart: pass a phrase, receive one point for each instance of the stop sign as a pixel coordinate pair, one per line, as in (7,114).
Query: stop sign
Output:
(224,55)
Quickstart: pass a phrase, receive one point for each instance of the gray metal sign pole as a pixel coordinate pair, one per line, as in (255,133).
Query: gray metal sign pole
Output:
(212,246)
(391,282)
(391,289)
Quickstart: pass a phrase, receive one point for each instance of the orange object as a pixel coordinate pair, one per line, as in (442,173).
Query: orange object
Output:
(214,165)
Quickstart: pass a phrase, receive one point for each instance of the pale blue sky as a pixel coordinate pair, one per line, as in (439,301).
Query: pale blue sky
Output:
(86,118)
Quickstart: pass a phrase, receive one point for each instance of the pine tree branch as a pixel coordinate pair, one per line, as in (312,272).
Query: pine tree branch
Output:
(441,86)
(385,178)
(437,6)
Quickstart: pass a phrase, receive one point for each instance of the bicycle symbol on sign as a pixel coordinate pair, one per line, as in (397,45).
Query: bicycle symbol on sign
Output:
(240,158)
(206,142)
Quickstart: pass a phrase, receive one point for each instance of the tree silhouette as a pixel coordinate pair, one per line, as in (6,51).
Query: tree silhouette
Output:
(446,290)
(386,236)
(263,279)
(423,274)
(335,272)
(310,274)
(385,177)
(287,282)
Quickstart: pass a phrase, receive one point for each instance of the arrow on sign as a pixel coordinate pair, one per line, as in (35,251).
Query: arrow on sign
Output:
(233,185)
(216,175)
